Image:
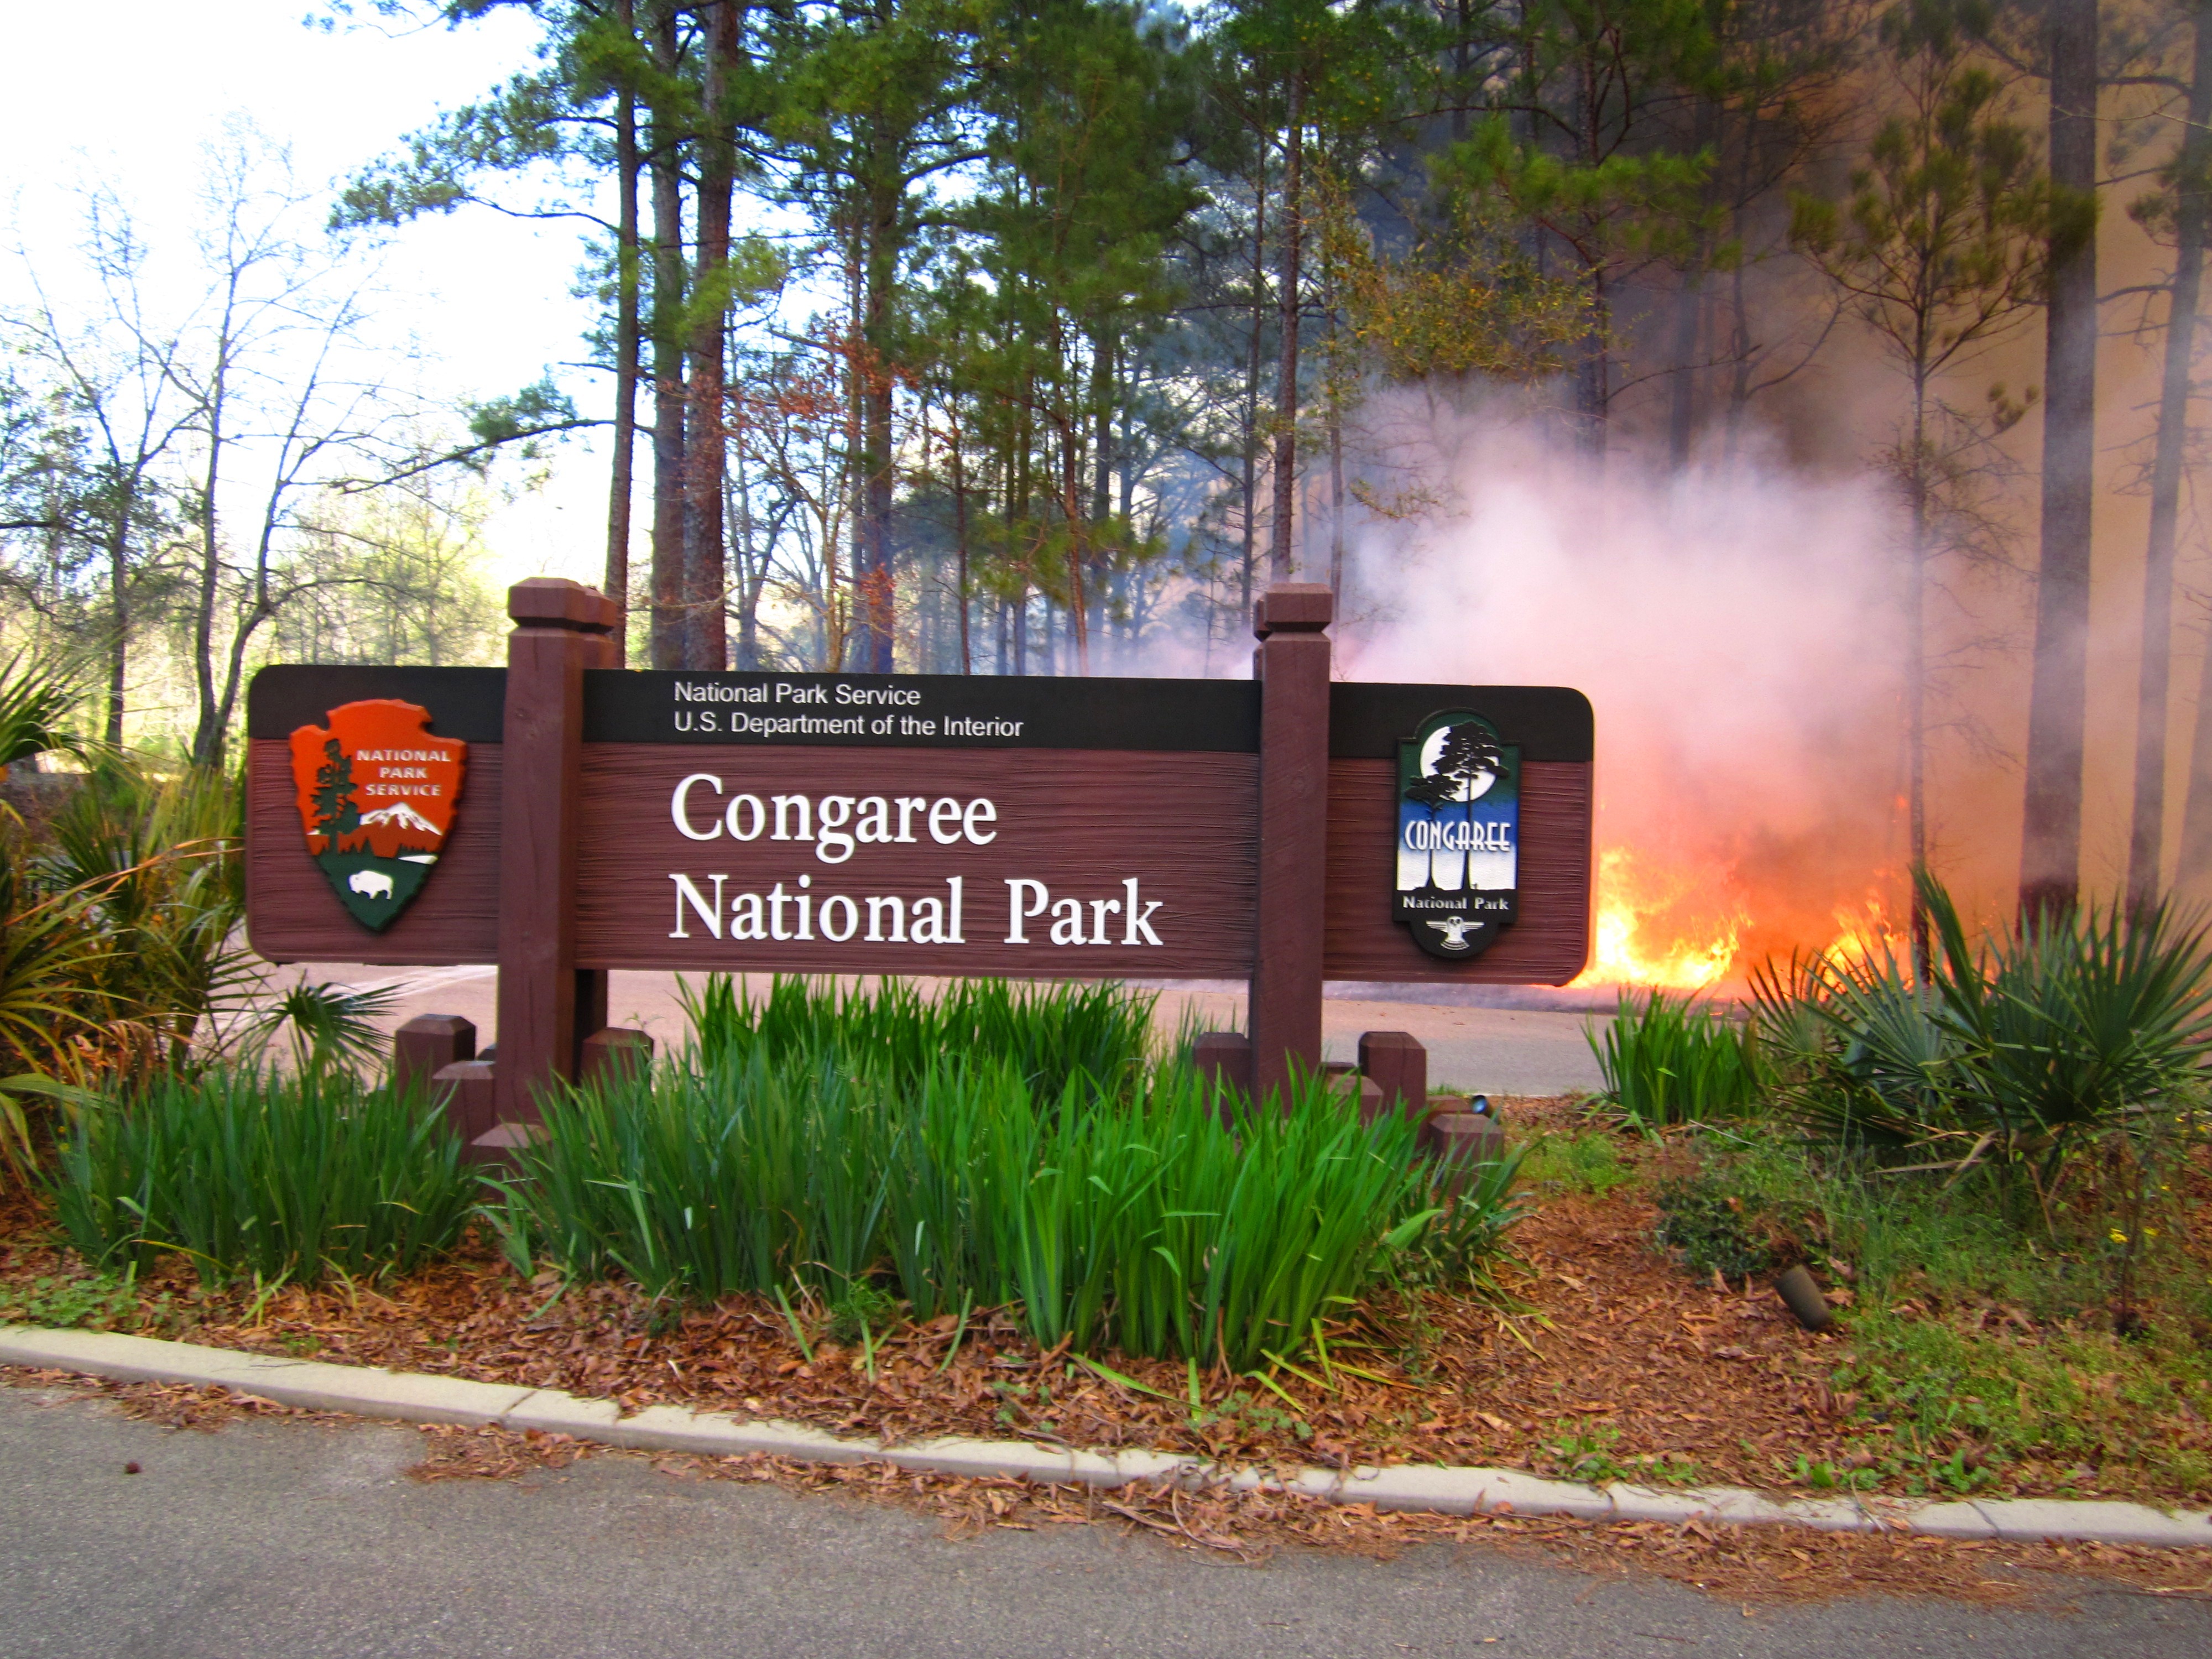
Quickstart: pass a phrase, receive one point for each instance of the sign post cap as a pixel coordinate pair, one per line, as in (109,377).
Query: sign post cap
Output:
(557,602)
(1294,608)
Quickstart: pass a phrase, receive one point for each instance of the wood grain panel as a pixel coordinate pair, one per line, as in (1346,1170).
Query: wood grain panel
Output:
(292,916)
(1547,944)
(1184,825)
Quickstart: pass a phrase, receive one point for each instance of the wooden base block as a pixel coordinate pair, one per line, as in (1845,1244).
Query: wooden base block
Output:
(428,1043)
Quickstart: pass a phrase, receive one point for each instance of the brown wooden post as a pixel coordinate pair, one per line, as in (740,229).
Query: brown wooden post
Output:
(612,1051)
(1292,667)
(467,1087)
(426,1045)
(546,1007)
(1225,1059)
(1399,1065)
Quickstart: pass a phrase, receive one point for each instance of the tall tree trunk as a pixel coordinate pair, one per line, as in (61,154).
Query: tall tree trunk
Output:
(2196,868)
(960,537)
(118,600)
(706,449)
(619,484)
(1251,480)
(872,572)
(1682,400)
(668,290)
(1336,505)
(1071,483)
(751,571)
(1280,561)
(1916,675)
(2051,851)
(206,733)
(2146,842)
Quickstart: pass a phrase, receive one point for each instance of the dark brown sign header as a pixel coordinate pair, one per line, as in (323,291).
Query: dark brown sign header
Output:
(920,711)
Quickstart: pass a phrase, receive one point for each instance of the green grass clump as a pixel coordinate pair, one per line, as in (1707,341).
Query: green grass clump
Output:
(1138,1219)
(252,1173)
(1051,1036)
(1668,1060)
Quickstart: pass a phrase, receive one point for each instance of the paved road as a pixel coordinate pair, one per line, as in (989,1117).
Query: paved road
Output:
(1499,1050)
(302,1539)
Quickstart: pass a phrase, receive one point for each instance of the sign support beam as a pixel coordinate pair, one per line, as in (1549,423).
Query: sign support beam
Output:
(1292,667)
(547,1007)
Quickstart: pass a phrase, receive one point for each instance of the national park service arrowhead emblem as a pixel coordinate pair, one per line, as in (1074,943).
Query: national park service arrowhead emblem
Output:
(377,793)
(1459,834)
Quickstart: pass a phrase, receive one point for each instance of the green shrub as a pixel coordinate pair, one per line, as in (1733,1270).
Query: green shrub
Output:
(1711,1228)
(1138,1219)
(1671,1061)
(251,1172)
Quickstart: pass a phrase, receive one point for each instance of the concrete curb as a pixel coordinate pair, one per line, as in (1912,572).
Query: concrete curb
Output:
(412,1397)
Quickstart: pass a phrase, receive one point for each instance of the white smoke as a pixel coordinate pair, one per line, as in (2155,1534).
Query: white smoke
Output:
(1736,628)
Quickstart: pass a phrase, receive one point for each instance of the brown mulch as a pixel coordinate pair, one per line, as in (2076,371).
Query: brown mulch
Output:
(1754,1566)
(1600,1347)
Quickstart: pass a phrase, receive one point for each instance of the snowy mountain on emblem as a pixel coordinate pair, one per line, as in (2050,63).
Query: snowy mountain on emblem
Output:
(400,813)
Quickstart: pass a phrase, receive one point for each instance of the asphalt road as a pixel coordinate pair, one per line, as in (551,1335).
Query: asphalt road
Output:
(303,1538)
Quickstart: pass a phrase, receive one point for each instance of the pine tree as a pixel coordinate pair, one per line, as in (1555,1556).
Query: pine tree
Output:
(336,812)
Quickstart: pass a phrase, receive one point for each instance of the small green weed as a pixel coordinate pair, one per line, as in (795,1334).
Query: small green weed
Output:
(1711,1228)
(865,1311)
(1588,1162)
(101,1301)
(1589,1452)
(1958,1403)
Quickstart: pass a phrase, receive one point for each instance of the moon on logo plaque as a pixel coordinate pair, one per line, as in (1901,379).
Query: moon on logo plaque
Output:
(376,794)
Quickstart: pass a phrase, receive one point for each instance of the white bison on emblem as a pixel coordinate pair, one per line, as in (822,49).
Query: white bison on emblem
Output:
(370,883)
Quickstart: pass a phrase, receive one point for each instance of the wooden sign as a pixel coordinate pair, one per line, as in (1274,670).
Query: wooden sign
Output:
(1284,829)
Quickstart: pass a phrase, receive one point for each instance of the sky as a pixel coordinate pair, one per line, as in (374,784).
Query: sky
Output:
(486,297)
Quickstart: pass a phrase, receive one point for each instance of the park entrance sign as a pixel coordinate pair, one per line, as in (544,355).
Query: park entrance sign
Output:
(1286,829)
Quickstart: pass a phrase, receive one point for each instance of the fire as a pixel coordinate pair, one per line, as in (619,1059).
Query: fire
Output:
(1695,926)
(1866,934)
(1674,929)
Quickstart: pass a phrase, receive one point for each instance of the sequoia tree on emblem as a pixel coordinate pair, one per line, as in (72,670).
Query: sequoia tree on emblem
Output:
(1459,834)
(376,793)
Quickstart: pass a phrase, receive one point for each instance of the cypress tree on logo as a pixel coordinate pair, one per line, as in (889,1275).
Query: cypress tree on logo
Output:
(376,795)
(1459,834)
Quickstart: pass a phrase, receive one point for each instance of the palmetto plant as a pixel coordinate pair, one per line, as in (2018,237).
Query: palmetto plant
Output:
(36,699)
(2020,1047)
(325,1028)
(158,856)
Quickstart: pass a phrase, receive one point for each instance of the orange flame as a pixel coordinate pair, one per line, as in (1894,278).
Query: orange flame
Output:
(1674,929)
(1695,927)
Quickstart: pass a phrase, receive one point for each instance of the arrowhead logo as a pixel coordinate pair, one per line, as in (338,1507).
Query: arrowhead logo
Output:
(376,793)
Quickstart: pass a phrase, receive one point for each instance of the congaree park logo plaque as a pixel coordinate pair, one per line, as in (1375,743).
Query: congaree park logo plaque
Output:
(1459,834)
(376,794)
